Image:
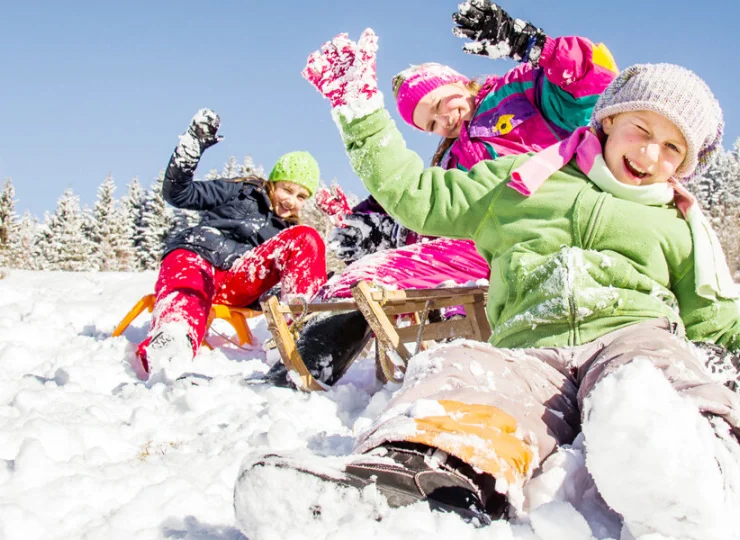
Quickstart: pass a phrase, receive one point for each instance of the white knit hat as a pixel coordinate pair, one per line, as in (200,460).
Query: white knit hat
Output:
(676,93)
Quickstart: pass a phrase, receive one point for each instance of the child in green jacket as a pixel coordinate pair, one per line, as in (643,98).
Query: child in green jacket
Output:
(601,267)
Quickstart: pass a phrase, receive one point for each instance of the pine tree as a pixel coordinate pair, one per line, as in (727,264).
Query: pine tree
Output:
(42,251)
(22,253)
(103,227)
(132,209)
(9,227)
(123,248)
(112,240)
(716,189)
(63,244)
(157,223)
(88,231)
(232,169)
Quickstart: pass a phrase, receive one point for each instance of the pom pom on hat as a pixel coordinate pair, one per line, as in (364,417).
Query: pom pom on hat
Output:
(413,83)
(675,93)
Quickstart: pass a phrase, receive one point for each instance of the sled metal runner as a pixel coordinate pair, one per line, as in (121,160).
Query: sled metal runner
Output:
(387,313)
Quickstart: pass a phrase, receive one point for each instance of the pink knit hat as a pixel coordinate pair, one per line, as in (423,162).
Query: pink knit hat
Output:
(415,82)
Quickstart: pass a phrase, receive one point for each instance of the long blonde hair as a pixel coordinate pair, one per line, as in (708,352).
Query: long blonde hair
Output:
(472,86)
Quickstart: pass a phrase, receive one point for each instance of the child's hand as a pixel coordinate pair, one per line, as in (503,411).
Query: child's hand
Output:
(344,72)
(365,233)
(495,34)
(203,128)
(333,203)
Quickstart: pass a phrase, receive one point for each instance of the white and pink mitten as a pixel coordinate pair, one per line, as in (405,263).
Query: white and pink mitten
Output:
(333,203)
(343,71)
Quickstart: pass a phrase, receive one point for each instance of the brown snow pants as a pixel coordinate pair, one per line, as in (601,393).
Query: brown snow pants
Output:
(506,410)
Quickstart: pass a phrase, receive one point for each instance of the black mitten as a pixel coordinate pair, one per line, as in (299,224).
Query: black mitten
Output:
(495,34)
(201,134)
(365,233)
(203,128)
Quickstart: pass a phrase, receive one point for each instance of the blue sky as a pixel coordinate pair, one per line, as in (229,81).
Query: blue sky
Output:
(92,88)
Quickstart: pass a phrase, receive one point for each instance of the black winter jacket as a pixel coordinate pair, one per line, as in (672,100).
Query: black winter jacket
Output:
(236,216)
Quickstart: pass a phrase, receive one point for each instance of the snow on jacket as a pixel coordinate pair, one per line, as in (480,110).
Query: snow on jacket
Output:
(236,216)
(529,109)
(568,264)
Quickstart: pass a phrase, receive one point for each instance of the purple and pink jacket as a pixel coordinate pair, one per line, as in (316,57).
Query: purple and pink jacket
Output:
(531,108)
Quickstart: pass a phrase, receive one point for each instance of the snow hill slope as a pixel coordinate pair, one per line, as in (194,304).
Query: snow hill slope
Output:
(88,451)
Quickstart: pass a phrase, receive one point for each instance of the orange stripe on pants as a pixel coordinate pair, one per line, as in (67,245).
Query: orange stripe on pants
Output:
(480,435)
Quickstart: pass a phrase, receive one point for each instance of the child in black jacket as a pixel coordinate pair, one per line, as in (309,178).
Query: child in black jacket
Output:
(247,241)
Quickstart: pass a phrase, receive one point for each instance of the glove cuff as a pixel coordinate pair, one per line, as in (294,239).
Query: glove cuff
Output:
(535,46)
(187,153)
(361,106)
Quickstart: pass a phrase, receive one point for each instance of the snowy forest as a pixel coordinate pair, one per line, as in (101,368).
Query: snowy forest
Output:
(123,234)
(127,234)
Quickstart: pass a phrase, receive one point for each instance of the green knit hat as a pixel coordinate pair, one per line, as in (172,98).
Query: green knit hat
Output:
(298,167)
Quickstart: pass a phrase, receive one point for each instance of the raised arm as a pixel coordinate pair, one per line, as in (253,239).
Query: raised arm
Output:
(178,188)
(575,70)
(432,201)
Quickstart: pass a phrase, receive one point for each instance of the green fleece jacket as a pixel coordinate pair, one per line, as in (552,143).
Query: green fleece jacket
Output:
(568,264)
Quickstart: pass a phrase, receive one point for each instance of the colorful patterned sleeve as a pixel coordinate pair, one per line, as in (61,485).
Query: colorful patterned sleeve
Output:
(576,72)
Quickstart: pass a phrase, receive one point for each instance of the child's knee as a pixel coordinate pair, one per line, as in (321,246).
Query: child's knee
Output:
(309,238)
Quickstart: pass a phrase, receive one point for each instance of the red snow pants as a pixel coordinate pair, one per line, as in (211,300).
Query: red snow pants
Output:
(188,284)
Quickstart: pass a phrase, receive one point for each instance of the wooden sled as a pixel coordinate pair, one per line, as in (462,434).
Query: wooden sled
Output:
(383,310)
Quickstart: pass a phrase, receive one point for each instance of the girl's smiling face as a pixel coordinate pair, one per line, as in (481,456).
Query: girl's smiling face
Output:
(288,198)
(444,109)
(642,147)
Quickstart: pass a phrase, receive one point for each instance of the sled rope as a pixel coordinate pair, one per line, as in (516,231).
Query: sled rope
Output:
(297,326)
(422,322)
(383,299)
(235,344)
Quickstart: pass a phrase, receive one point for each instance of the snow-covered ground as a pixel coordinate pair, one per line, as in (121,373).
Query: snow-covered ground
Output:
(88,451)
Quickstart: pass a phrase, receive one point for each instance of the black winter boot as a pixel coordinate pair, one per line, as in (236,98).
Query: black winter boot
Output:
(420,473)
(328,345)
(404,473)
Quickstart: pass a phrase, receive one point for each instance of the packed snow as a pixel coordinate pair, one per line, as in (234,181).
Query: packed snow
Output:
(90,451)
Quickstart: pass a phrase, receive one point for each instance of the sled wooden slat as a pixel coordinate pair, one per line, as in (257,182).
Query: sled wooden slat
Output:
(378,320)
(424,294)
(313,308)
(398,307)
(286,344)
(476,311)
(436,331)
